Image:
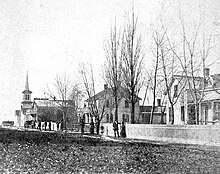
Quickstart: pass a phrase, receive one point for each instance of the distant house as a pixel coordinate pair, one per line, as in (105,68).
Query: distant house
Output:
(43,109)
(49,110)
(105,97)
(8,123)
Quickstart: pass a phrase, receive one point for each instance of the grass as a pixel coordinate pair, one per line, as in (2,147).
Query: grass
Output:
(43,152)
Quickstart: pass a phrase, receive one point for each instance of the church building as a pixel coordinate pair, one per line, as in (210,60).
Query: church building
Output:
(26,105)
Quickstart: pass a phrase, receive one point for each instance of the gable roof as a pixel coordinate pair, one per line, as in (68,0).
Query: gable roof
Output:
(104,92)
(44,102)
(180,77)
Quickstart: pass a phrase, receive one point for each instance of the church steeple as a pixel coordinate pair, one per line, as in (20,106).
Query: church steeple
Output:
(26,92)
(26,104)
(26,83)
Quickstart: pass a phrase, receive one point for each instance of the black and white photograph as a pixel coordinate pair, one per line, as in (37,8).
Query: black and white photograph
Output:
(109,86)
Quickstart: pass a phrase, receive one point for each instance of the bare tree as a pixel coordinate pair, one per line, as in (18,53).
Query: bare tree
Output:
(66,96)
(166,70)
(97,110)
(132,62)
(192,58)
(158,39)
(113,66)
(170,72)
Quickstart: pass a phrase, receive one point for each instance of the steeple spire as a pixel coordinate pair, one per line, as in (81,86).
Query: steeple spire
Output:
(26,83)
(26,90)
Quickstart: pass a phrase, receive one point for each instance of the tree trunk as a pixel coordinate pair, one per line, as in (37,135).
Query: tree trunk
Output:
(63,126)
(97,127)
(196,113)
(132,112)
(172,114)
(116,108)
(152,112)
(152,115)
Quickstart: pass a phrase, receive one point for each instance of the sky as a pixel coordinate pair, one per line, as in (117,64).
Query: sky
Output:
(52,37)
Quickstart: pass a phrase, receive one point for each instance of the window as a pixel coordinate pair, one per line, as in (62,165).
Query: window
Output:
(27,97)
(125,118)
(175,90)
(126,104)
(107,118)
(170,115)
(206,113)
(107,103)
(217,111)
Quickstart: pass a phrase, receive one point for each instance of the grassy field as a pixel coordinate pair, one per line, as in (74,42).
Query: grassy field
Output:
(42,152)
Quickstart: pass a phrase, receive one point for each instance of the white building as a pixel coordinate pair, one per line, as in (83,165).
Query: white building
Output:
(184,109)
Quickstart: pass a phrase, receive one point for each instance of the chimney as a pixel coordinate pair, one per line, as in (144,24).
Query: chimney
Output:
(206,71)
(105,86)
(158,102)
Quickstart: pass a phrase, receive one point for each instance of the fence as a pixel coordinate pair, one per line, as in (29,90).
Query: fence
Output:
(186,134)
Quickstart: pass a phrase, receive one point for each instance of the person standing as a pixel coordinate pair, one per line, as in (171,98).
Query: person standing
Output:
(92,126)
(39,125)
(115,128)
(49,126)
(123,131)
(82,124)
(45,126)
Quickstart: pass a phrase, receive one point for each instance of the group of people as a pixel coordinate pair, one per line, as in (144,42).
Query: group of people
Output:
(51,126)
(115,128)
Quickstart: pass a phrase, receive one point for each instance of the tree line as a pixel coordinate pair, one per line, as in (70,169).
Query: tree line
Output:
(126,73)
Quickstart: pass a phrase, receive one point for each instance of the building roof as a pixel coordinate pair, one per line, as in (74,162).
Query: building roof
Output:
(180,77)
(102,93)
(45,102)
(184,76)
(211,95)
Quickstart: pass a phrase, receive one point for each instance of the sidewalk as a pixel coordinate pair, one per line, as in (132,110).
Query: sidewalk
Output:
(162,143)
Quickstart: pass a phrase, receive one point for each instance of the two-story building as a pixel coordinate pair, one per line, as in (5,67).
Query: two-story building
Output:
(105,104)
(184,107)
